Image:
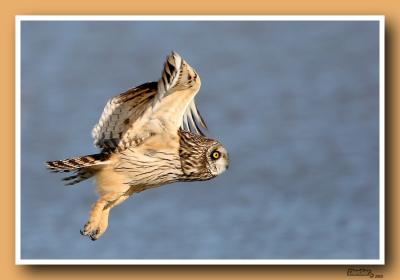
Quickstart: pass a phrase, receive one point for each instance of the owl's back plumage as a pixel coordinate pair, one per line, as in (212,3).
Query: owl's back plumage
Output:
(149,136)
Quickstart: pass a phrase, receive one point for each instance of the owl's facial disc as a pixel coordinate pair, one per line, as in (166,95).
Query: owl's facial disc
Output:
(218,159)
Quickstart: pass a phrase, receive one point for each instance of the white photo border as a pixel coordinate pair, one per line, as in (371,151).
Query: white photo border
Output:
(379,261)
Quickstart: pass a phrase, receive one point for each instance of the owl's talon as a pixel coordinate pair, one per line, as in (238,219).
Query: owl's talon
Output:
(93,237)
(88,231)
(94,234)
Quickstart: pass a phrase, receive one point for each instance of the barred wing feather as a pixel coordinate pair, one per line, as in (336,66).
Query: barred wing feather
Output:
(120,113)
(177,89)
(129,118)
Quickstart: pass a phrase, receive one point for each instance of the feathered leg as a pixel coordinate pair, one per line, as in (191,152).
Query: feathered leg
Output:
(98,221)
(91,228)
(104,217)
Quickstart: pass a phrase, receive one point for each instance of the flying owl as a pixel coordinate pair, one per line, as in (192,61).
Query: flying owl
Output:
(149,136)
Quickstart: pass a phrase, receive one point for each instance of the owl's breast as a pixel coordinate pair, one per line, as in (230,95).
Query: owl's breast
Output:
(155,162)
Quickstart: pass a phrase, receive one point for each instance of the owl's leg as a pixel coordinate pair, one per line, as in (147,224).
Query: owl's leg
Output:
(104,217)
(91,228)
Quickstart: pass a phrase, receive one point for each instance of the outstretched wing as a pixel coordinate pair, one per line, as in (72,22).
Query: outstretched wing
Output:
(177,88)
(120,113)
(168,101)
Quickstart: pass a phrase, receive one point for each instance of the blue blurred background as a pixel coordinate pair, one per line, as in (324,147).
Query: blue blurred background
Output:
(295,103)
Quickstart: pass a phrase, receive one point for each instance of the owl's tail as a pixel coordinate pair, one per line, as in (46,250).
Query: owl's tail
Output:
(84,167)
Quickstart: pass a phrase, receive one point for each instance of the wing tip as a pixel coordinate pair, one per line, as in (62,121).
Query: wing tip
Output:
(175,59)
(174,54)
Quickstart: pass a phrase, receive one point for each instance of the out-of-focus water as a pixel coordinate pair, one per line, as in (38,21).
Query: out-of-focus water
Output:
(295,103)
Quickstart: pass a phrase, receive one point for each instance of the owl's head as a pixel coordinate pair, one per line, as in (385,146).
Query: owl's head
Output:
(201,158)
(217,159)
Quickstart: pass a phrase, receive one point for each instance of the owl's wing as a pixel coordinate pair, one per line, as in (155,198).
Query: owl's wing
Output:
(174,102)
(120,113)
(169,101)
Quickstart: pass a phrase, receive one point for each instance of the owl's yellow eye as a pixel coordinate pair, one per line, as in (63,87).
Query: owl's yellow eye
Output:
(216,155)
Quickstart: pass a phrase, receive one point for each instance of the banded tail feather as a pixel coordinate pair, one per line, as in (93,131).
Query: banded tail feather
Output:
(73,164)
(80,175)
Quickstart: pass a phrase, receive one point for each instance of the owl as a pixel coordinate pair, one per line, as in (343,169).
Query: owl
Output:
(148,136)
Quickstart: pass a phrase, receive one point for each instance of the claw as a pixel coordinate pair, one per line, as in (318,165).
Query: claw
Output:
(92,234)
(84,231)
(93,237)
